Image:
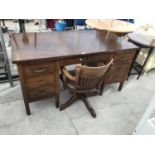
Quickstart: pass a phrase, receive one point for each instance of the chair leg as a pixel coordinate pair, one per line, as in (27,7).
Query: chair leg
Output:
(64,85)
(69,102)
(88,106)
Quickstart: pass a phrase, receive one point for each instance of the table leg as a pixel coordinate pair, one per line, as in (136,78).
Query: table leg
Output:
(134,59)
(107,35)
(149,53)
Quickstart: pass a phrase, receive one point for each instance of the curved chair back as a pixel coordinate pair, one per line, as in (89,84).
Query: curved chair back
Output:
(90,78)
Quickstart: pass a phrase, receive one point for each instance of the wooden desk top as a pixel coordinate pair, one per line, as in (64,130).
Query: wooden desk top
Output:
(111,25)
(142,40)
(59,45)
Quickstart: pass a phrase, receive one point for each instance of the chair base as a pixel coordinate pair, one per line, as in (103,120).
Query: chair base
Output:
(83,98)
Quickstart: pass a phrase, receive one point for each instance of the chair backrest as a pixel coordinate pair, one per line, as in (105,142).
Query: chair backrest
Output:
(88,78)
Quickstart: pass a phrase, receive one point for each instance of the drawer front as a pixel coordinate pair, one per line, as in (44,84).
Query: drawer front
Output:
(40,81)
(123,58)
(98,58)
(66,62)
(117,73)
(40,93)
(39,87)
(38,69)
(94,61)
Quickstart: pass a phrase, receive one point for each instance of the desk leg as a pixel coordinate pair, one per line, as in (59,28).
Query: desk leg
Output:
(120,86)
(24,91)
(27,107)
(149,53)
(57,101)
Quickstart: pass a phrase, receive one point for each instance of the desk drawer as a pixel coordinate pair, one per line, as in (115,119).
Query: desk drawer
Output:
(40,81)
(98,58)
(38,69)
(39,93)
(41,86)
(66,62)
(117,73)
(123,58)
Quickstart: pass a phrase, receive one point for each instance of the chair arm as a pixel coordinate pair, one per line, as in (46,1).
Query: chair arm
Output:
(68,75)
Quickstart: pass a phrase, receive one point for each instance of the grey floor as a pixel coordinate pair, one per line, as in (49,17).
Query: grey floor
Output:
(117,112)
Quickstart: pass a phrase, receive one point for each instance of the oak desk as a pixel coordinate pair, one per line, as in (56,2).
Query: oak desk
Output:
(39,57)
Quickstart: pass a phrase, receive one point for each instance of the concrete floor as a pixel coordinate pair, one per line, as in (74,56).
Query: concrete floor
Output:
(117,112)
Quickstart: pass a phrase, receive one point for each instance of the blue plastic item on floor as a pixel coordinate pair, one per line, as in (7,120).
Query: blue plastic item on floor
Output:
(60,25)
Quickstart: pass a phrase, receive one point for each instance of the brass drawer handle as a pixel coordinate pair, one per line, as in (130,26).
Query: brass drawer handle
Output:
(40,70)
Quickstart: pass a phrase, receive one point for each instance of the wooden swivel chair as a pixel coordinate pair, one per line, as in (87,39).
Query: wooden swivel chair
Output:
(85,80)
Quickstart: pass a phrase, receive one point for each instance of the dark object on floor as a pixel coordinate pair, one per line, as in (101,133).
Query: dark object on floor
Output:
(79,22)
(50,23)
(69,23)
(22,25)
(86,80)
(4,29)
(36,23)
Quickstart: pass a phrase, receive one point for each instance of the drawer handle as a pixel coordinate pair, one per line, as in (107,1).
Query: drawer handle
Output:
(40,70)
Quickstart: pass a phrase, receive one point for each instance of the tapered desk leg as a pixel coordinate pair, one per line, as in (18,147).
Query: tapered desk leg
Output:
(27,108)
(57,101)
(120,86)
